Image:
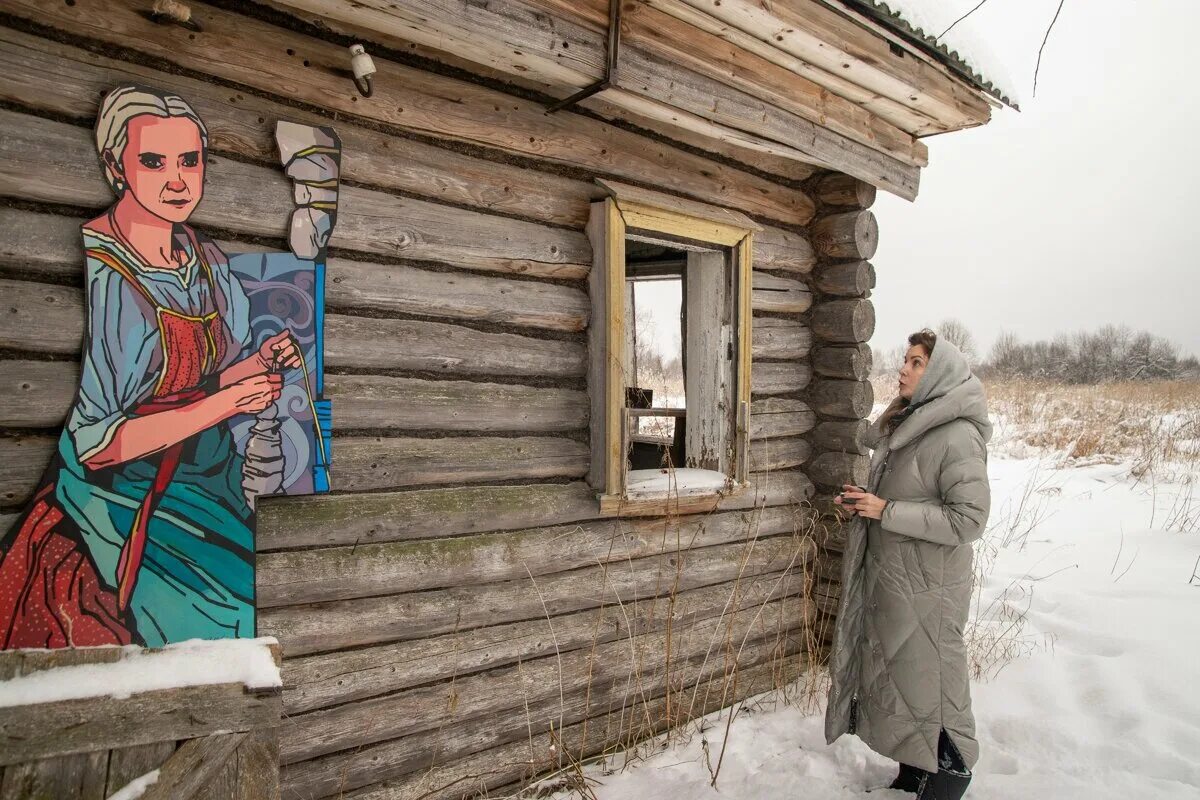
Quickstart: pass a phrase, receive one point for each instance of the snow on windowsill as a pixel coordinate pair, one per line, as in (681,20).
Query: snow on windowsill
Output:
(644,484)
(195,662)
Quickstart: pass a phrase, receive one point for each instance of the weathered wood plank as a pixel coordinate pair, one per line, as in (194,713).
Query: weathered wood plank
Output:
(245,50)
(23,459)
(776,337)
(41,159)
(337,625)
(362,463)
(778,416)
(768,454)
(779,377)
(329,679)
(128,763)
(369,401)
(258,766)
(338,573)
(72,777)
(50,319)
(42,730)
(468,769)
(409,756)
(193,766)
(783,295)
(490,694)
(365,463)
(332,520)
(38,394)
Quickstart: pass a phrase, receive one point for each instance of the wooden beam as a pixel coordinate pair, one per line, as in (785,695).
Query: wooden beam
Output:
(43,730)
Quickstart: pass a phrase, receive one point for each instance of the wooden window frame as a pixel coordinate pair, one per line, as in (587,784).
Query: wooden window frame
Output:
(611,219)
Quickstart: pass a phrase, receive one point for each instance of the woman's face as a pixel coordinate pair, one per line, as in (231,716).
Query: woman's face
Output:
(163,165)
(915,361)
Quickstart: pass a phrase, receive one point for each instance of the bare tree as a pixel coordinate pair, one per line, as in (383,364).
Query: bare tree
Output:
(957,333)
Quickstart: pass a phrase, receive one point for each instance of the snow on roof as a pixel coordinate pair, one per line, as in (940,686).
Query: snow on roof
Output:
(195,662)
(963,48)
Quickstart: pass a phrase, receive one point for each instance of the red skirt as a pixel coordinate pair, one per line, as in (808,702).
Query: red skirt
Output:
(50,594)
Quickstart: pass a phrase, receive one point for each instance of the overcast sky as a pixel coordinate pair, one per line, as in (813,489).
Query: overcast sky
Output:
(1075,212)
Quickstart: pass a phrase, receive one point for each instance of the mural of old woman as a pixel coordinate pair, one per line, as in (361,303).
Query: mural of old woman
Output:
(142,530)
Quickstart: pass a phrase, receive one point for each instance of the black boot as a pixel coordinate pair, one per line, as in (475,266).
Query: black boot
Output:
(944,786)
(908,779)
(952,778)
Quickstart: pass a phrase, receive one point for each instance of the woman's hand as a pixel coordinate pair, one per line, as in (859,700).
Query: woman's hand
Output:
(250,395)
(279,351)
(847,510)
(865,503)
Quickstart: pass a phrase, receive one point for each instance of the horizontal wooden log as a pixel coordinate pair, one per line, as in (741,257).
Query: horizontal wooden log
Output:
(779,416)
(778,377)
(23,459)
(371,401)
(52,161)
(843,399)
(783,295)
(341,624)
(38,394)
(768,454)
(363,463)
(44,730)
(836,469)
(777,337)
(844,321)
(503,769)
(843,362)
(330,679)
(845,278)
(364,570)
(416,711)
(850,234)
(840,189)
(49,319)
(843,435)
(340,519)
(246,51)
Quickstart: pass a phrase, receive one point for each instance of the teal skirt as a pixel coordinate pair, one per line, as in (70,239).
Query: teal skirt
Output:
(196,579)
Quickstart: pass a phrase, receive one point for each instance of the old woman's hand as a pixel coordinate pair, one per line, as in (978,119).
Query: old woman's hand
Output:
(865,503)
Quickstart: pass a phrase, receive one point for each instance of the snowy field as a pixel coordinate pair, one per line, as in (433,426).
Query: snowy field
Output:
(1087,641)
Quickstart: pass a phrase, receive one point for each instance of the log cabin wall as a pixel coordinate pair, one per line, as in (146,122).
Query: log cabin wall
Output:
(457,606)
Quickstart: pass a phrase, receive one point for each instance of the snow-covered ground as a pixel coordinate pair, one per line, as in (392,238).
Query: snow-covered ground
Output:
(1095,694)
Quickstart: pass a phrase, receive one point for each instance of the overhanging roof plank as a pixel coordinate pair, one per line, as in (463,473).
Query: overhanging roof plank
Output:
(902,116)
(505,34)
(837,45)
(670,37)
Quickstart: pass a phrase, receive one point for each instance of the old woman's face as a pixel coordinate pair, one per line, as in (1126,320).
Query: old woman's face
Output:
(163,165)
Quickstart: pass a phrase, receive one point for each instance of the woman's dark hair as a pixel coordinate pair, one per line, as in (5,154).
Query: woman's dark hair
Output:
(926,339)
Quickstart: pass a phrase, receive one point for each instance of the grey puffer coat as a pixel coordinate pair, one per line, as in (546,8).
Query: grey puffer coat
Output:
(899,666)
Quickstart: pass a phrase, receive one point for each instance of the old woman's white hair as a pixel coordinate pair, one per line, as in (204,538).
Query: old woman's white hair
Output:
(123,104)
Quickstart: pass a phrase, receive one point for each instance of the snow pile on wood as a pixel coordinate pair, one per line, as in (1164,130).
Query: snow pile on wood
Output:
(195,662)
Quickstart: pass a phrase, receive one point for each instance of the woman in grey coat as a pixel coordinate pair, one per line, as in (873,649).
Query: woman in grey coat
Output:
(899,665)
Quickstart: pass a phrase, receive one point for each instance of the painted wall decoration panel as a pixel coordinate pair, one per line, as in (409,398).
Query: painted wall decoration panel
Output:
(200,390)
